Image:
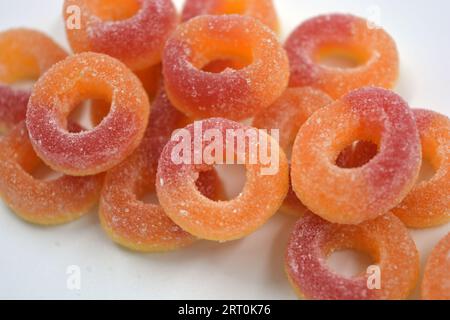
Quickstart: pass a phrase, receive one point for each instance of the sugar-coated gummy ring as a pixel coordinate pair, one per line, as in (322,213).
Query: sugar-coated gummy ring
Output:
(343,35)
(386,239)
(37,201)
(58,92)
(352,196)
(427,205)
(128,220)
(25,54)
(263,10)
(436,280)
(233,94)
(261,197)
(133,31)
(288,114)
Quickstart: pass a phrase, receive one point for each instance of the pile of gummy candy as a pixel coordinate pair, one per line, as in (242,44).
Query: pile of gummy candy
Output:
(355,147)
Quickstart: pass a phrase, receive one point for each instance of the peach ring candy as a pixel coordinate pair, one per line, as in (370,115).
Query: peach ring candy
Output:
(128,220)
(178,170)
(352,196)
(37,201)
(370,52)
(61,89)
(393,275)
(436,280)
(234,94)
(25,55)
(263,10)
(288,114)
(428,203)
(133,31)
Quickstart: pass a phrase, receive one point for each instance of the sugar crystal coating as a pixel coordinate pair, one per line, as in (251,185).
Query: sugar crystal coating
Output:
(436,280)
(352,196)
(343,35)
(263,10)
(386,239)
(233,94)
(58,92)
(137,41)
(37,201)
(260,199)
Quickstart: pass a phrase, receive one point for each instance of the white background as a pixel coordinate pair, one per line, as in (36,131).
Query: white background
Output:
(33,260)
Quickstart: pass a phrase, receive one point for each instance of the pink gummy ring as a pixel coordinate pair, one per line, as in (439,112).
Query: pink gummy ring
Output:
(133,31)
(386,239)
(352,196)
(373,50)
(58,92)
(232,94)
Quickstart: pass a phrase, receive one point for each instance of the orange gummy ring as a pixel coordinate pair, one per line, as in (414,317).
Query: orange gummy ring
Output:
(128,220)
(352,196)
(386,239)
(41,202)
(373,50)
(436,280)
(263,10)
(57,93)
(233,94)
(427,205)
(24,55)
(288,114)
(133,31)
(220,220)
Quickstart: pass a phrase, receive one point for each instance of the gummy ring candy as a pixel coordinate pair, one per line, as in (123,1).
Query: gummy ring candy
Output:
(233,94)
(151,79)
(41,202)
(374,51)
(223,220)
(132,31)
(436,280)
(24,55)
(263,10)
(385,238)
(288,114)
(131,222)
(427,205)
(352,196)
(57,93)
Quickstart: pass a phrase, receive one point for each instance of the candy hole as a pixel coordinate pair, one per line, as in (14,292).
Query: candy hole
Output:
(114,10)
(233,178)
(341,57)
(427,171)
(357,154)
(149,197)
(220,65)
(89,113)
(45,173)
(349,263)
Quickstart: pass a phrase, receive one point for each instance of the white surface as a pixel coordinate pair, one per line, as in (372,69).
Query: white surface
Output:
(33,260)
